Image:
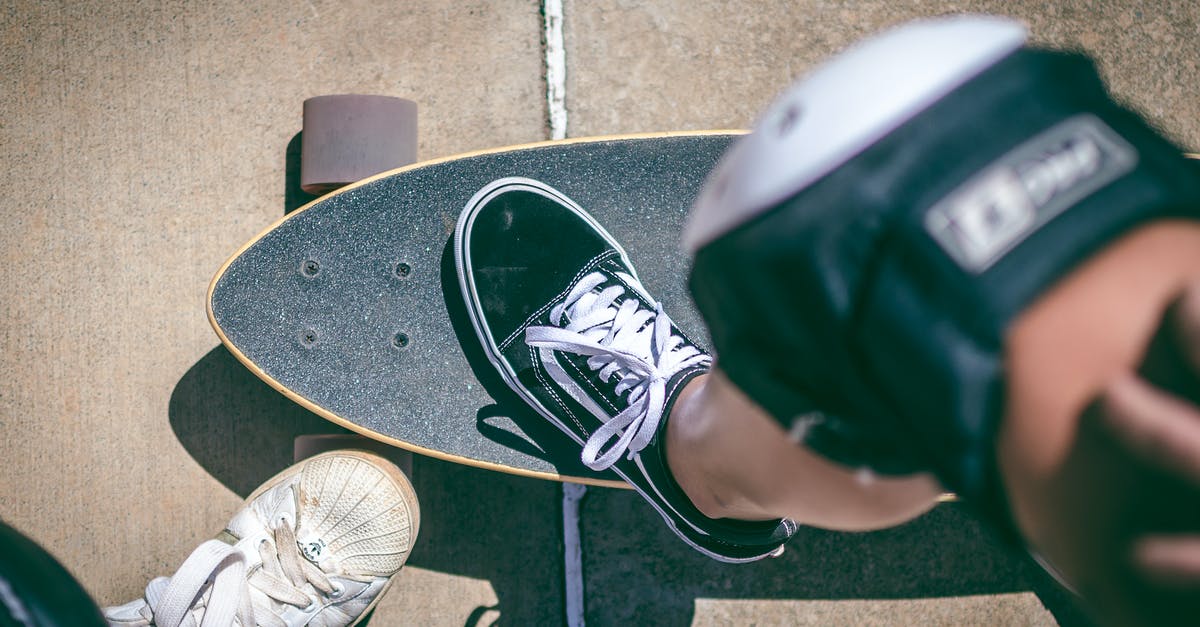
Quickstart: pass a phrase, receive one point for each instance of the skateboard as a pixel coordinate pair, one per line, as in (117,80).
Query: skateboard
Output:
(350,305)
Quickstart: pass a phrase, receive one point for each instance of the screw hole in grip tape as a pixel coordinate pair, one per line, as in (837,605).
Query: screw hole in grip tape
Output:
(310,268)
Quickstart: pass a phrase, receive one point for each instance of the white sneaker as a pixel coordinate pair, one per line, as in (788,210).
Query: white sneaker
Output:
(316,545)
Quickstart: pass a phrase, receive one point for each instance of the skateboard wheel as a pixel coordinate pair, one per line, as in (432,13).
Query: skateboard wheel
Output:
(349,137)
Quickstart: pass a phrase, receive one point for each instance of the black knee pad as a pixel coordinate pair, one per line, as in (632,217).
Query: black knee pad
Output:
(866,308)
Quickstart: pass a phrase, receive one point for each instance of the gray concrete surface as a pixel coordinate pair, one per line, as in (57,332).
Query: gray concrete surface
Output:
(144,141)
(636,65)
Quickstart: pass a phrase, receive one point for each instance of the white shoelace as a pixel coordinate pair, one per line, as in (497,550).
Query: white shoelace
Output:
(622,340)
(283,574)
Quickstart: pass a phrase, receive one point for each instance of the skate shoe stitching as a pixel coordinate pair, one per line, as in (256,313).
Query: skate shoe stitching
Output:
(587,268)
(632,340)
(546,385)
(588,379)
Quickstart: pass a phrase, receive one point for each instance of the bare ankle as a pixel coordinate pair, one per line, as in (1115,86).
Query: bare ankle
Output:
(686,445)
(681,459)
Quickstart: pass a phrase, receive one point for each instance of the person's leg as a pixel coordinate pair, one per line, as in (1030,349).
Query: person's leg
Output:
(734,461)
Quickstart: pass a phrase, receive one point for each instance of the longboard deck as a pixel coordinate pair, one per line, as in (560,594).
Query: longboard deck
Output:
(350,305)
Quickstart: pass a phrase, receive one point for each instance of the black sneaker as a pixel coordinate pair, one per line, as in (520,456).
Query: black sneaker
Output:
(564,318)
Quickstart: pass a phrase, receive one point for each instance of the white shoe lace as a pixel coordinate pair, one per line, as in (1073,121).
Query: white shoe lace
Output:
(282,577)
(625,341)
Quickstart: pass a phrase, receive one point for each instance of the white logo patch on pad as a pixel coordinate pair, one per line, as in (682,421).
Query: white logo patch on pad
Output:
(1007,201)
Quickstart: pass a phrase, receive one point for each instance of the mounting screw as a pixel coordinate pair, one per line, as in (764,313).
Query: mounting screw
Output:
(402,270)
(308,338)
(310,268)
(400,340)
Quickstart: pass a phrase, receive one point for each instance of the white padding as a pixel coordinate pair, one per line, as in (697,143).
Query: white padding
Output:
(840,109)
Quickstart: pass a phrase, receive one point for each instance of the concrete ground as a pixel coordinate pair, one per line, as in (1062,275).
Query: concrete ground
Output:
(145,141)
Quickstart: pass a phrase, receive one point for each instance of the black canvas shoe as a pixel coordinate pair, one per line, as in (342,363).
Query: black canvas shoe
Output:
(565,320)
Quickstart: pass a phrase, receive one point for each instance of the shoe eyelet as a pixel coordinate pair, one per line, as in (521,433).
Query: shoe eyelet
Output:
(312,606)
(338,591)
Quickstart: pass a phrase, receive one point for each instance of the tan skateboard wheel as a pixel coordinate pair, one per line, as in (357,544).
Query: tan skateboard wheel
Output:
(348,137)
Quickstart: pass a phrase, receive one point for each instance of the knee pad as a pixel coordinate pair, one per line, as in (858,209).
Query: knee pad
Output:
(860,255)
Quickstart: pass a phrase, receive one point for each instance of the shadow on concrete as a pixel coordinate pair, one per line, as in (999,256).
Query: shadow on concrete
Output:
(637,571)
(507,530)
(504,529)
(293,196)
(236,426)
